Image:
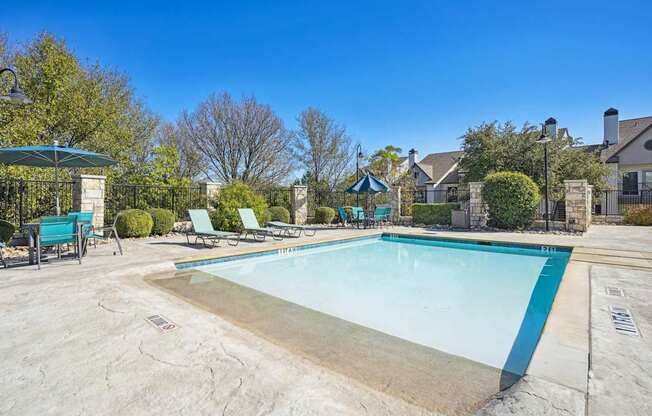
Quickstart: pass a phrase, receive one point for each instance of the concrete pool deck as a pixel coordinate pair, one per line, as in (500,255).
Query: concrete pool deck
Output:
(75,341)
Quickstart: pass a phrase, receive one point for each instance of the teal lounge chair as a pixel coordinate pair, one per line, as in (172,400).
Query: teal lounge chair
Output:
(293,230)
(203,230)
(250,224)
(55,231)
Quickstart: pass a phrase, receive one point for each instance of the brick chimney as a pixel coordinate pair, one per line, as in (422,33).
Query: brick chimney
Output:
(413,157)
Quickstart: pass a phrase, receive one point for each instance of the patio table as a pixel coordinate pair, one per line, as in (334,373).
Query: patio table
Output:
(32,232)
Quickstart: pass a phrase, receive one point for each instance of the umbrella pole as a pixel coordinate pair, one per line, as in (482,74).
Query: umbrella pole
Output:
(56,181)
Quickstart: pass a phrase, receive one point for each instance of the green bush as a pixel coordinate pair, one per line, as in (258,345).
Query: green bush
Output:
(7,230)
(237,195)
(163,220)
(638,216)
(134,223)
(324,215)
(430,214)
(277,213)
(511,199)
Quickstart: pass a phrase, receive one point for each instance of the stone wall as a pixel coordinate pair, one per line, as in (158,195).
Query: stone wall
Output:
(299,204)
(477,208)
(578,205)
(88,195)
(210,190)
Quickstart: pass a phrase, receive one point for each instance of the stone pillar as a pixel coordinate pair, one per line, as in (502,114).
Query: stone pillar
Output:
(88,195)
(477,208)
(299,204)
(209,190)
(395,202)
(578,205)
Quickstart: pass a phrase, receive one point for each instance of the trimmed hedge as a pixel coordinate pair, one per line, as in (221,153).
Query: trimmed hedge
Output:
(277,213)
(134,223)
(7,230)
(433,214)
(324,215)
(638,216)
(512,199)
(163,220)
(237,195)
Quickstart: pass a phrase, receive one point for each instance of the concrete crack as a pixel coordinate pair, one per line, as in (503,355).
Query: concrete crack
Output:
(233,393)
(100,305)
(153,357)
(559,409)
(228,354)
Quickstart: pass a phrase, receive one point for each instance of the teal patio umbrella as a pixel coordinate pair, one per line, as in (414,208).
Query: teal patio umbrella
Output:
(368,184)
(53,156)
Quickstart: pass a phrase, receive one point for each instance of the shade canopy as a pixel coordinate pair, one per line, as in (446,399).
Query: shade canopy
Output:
(368,184)
(53,156)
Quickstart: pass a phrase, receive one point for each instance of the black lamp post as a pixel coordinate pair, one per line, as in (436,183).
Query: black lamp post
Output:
(358,156)
(545,139)
(16,95)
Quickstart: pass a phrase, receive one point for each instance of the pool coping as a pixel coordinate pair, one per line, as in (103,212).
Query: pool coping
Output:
(562,353)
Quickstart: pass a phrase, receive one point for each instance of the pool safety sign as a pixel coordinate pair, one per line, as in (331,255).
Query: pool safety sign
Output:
(161,323)
(623,321)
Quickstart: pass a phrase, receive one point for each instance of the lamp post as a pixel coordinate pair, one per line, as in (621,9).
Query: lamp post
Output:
(545,139)
(358,156)
(16,95)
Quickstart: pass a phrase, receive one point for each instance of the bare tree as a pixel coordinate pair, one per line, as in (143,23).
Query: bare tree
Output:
(323,148)
(242,140)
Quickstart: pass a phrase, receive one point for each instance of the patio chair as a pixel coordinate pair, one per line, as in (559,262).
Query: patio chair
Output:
(55,232)
(293,230)
(382,215)
(202,228)
(358,217)
(250,224)
(105,234)
(344,217)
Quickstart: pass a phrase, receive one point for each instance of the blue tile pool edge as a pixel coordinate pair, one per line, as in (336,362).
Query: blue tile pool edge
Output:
(189,264)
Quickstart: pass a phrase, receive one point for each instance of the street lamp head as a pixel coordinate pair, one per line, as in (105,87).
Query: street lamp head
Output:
(16,95)
(543,138)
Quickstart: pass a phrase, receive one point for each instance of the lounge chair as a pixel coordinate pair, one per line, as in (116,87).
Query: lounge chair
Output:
(293,230)
(250,224)
(203,230)
(55,231)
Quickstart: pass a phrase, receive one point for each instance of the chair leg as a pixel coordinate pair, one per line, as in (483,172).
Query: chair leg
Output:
(229,241)
(38,253)
(117,239)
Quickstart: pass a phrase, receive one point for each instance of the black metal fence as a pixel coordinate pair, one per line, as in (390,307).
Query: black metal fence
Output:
(177,199)
(615,202)
(556,205)
(23,201)
(281,197)
(438,196)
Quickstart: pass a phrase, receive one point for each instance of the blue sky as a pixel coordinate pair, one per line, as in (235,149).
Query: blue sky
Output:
(412,74)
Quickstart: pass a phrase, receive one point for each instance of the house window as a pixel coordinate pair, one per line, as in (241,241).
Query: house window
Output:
(630,183)
(647,180)
(416,175)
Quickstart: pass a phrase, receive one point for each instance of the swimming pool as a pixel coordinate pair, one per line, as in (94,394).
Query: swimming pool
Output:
(487,303)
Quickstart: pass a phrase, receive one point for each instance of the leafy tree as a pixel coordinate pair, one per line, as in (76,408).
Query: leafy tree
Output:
(494,147)
(86,106)
(238,141)
(322,148)
(384,163)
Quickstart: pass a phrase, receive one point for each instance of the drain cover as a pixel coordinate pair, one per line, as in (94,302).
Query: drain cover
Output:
(162,323)
(614,291)
(623,321)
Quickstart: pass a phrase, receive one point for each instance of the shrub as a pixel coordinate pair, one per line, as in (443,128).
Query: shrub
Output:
(7,230)
(511,199)
(134,223)
(163,220)
(277,213)
(237,195)
(324,215)
(638,216)
(429,214)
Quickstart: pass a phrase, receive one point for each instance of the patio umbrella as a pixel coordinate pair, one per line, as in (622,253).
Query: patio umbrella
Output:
(368,184)
(53,156)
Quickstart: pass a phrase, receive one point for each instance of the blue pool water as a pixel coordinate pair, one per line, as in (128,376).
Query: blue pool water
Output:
(487,303)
